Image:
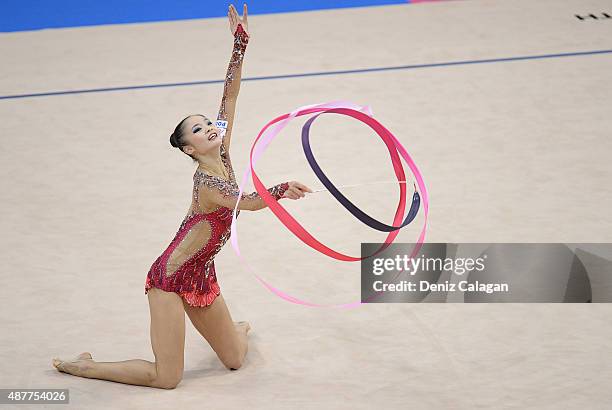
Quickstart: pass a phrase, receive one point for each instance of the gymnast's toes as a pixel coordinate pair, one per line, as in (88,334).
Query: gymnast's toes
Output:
(78,366)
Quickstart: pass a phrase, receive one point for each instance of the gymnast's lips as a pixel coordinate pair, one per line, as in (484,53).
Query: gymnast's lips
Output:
(212,136)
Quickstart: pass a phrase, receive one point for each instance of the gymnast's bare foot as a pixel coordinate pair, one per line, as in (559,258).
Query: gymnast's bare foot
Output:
(243,325)
(77,366)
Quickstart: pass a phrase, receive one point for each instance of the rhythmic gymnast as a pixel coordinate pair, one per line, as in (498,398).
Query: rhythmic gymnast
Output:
(183,278)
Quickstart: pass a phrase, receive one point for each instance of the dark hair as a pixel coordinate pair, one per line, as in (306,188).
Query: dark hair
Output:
(177,137)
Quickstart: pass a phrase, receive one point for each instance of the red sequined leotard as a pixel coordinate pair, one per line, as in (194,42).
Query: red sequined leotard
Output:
(187,266)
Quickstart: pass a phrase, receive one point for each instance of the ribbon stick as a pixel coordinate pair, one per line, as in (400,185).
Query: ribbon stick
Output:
(273,128)
(363,183)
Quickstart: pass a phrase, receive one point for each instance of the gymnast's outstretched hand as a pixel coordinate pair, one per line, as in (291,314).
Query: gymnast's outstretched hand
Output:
(296,190)
(234,19)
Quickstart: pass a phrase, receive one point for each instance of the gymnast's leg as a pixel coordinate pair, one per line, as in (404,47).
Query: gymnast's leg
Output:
(168,343)
(227,338)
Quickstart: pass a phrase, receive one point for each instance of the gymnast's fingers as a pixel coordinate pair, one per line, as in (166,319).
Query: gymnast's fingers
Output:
(298,193)
(295,190)
(289,194)
(231,21)
(303,187)
(233,14)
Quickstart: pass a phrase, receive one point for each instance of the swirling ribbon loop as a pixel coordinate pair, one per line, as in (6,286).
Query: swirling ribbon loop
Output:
(272,129)
(358,213)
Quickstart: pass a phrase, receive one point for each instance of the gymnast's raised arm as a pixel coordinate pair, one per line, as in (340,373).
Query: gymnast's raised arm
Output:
(239,29)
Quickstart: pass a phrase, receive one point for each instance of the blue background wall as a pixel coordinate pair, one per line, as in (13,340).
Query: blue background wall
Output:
(22,15)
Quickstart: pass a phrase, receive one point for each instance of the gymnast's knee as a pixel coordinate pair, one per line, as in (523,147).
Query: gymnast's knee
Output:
(167,381)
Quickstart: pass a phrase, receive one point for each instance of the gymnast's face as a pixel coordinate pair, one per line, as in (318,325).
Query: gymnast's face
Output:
(201,135)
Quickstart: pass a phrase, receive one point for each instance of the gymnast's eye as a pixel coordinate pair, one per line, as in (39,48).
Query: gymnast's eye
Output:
(198,129)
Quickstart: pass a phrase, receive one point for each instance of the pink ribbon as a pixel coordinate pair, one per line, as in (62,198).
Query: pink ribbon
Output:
(268,133)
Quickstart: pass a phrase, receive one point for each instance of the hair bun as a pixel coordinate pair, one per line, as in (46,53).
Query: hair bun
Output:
(173,140)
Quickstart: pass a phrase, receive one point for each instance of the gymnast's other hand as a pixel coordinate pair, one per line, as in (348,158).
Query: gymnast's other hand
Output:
(234,19)
(296,190)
